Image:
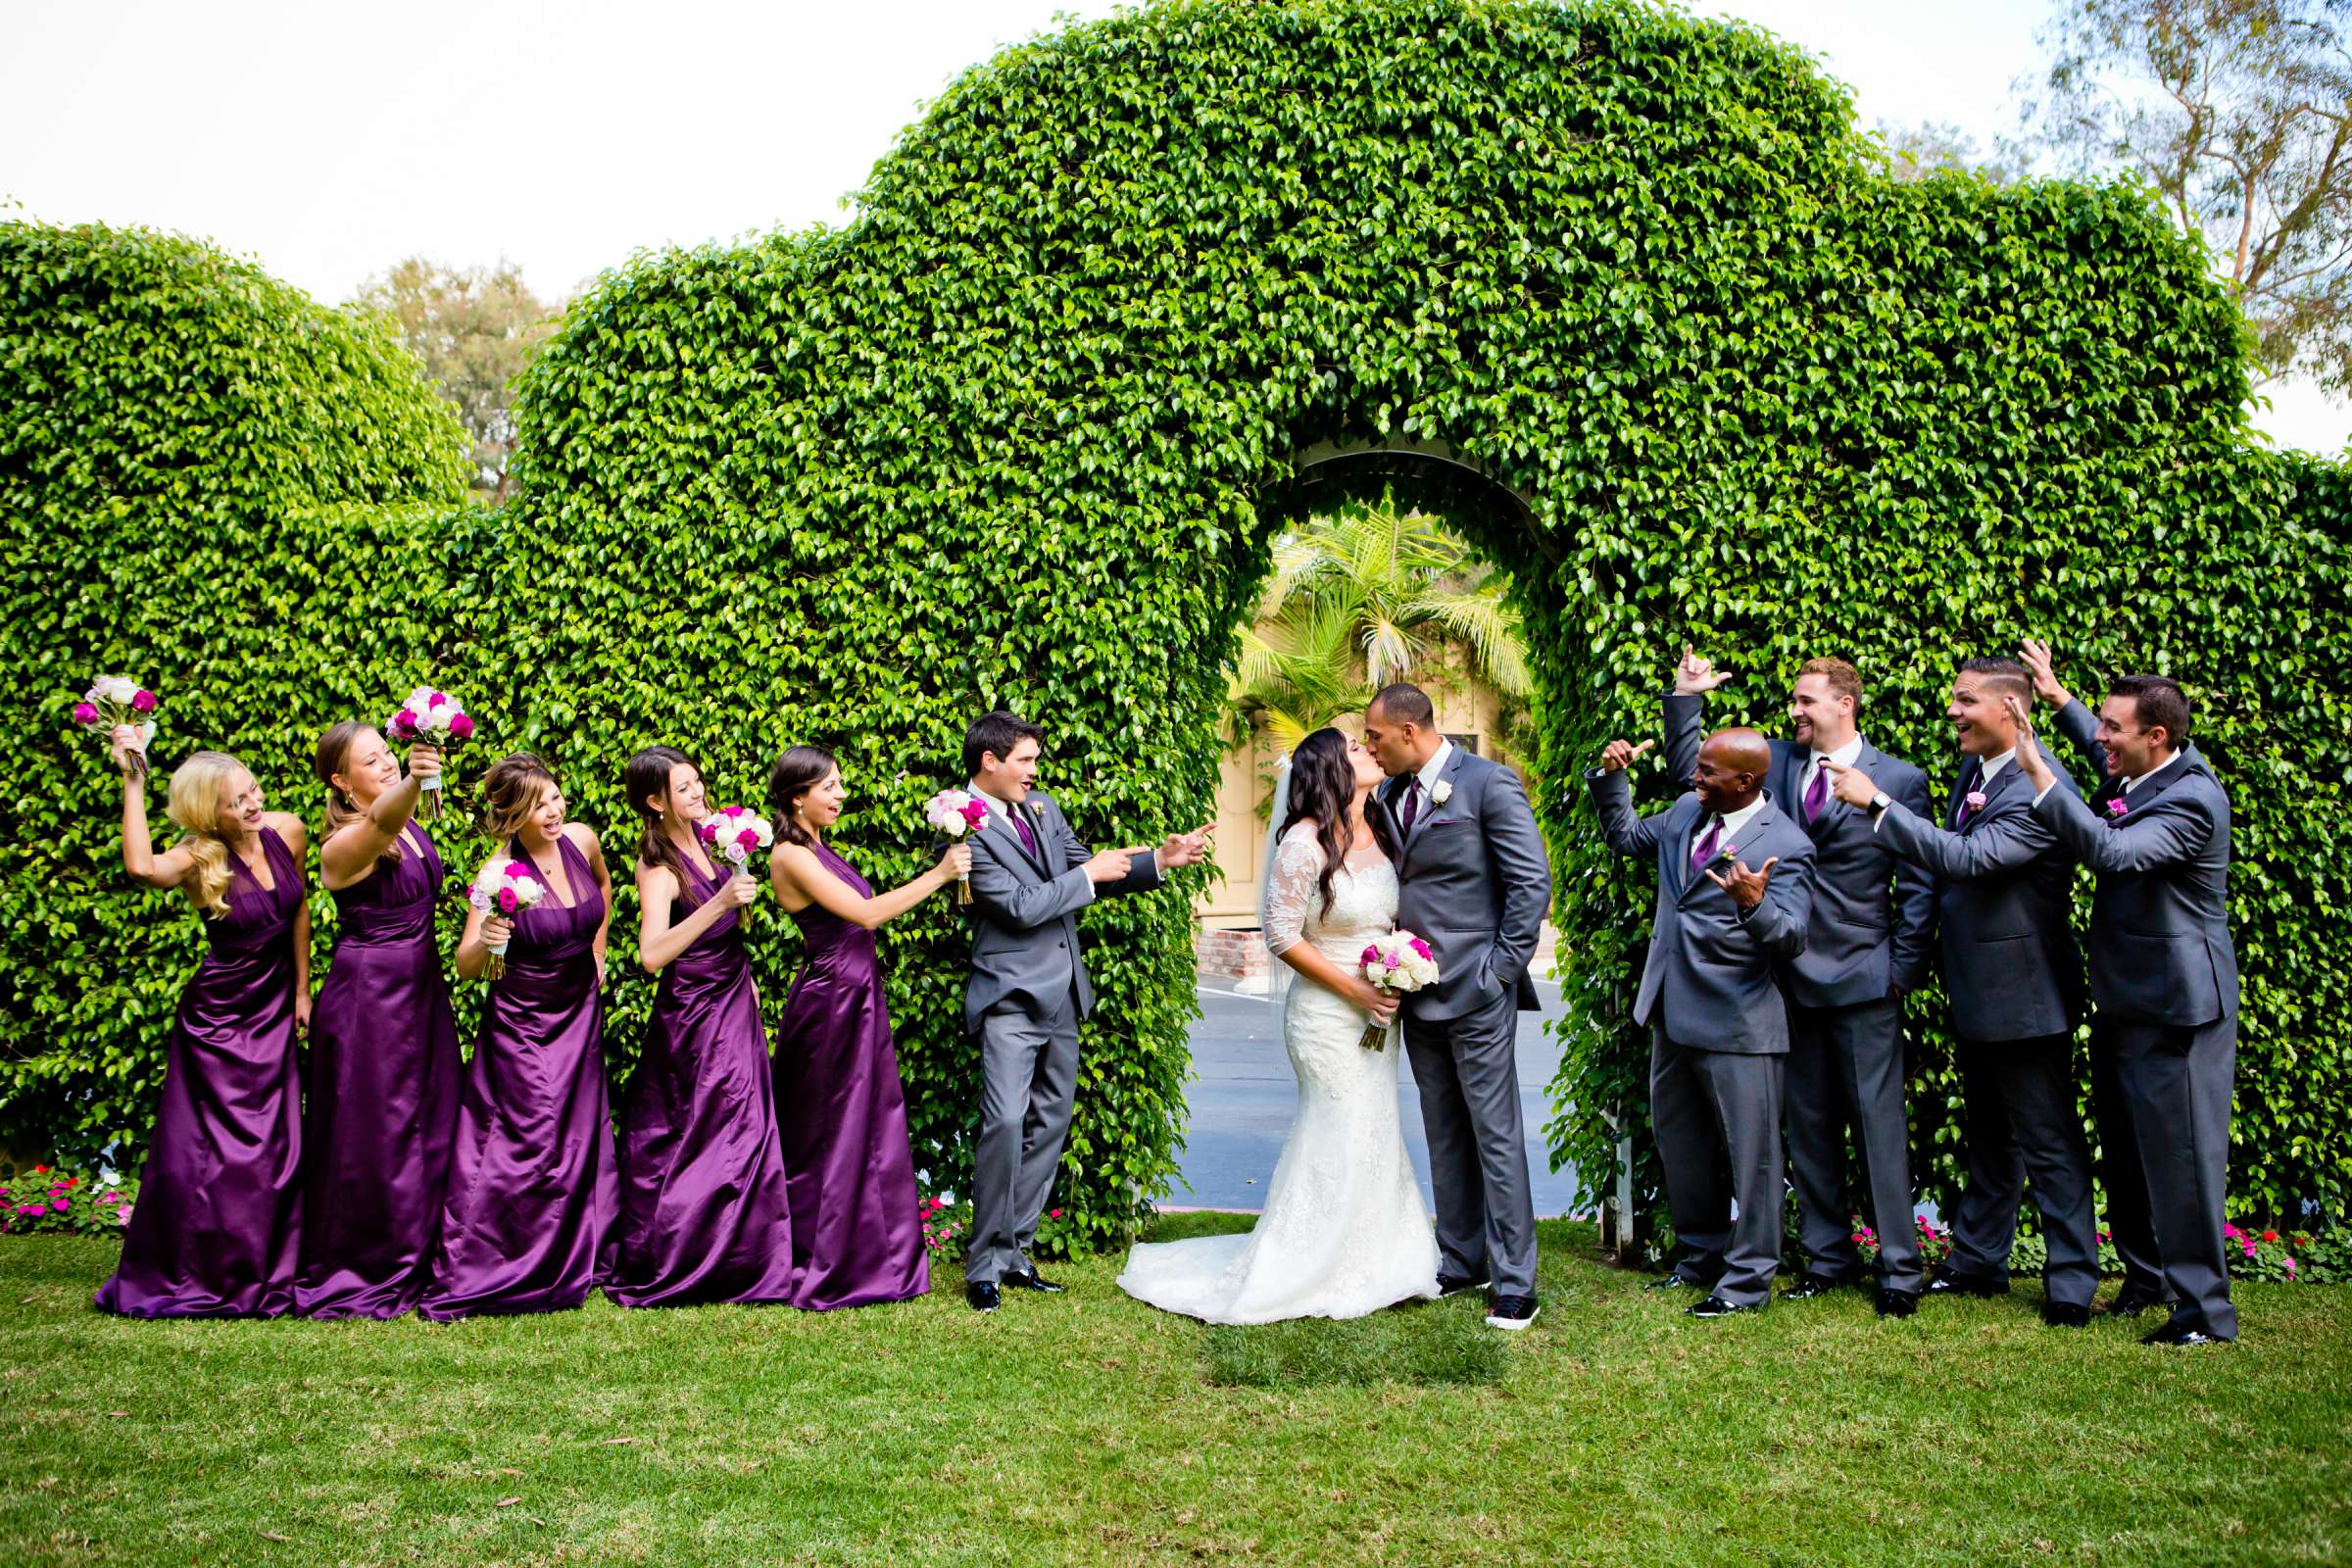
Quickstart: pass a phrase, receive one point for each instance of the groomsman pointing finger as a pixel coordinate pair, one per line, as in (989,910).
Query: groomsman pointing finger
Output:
(1735,890)
(2014,977)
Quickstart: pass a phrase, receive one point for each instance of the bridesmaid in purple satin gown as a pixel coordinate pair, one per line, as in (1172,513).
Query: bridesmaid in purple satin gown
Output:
(857,1237)
(219,1221)
(533,1189)
(705,1215)
(385,1063)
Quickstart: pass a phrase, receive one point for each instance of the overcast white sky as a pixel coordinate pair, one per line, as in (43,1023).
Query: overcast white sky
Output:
(329,139)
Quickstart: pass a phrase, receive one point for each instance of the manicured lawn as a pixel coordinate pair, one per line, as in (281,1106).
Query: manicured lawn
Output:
(1089,1429)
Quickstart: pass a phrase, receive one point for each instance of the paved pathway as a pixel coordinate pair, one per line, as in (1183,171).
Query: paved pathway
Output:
(1239,1106)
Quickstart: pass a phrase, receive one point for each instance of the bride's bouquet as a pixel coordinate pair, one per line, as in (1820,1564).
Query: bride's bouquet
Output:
(504,888)
(733,832)
(434,718)
(114,699)
(1399,962)
(955,812)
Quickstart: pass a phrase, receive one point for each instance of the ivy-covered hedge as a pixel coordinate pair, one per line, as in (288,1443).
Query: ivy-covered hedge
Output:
(1004,439)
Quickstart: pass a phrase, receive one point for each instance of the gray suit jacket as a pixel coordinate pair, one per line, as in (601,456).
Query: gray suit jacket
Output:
(2160,948)
(1872,911)
(1709,981)
(1476,883)
(1024,912)
(2004,892)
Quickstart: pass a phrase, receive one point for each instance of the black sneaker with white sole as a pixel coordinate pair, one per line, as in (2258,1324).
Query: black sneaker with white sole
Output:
(1513,1312)
(1449,1285)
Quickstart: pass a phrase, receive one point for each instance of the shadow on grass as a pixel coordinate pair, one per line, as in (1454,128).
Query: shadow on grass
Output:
(1430,1343)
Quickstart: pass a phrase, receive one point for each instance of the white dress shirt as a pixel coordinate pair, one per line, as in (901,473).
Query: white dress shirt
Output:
(1431,771)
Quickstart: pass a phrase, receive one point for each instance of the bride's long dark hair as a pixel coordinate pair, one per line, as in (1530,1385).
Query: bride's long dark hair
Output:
(1322,789)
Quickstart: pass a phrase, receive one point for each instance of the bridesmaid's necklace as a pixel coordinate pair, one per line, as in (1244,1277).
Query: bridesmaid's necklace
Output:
(547,877)
(254,862)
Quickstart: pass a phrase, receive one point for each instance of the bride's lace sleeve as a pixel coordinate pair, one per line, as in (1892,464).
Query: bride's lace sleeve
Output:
(1297,864)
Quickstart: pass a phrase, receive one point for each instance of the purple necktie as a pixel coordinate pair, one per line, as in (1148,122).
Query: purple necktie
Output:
(1704,849)
(1413,804)
(1028,839)
(1817,793)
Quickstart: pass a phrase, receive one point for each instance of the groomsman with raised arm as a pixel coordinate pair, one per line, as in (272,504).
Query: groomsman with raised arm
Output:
(2015,980)
(2162,987)
(1865,946)
(1719,1032)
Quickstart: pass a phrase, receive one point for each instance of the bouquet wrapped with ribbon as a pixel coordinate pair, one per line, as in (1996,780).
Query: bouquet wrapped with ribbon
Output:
(431,718)
(504,888)
(734,833)
(1401,962)
(953,814)
(115,700)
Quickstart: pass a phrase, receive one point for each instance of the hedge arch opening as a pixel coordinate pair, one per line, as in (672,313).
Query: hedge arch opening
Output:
(1629,283)
(1427,474)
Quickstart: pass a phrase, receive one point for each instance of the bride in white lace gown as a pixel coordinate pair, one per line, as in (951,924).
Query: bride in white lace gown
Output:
(1345,1231)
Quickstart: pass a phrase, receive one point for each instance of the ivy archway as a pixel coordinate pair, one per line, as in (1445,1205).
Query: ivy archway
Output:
(1013,434)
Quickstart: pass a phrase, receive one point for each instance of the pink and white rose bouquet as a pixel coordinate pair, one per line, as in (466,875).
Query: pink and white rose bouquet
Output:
(953,814)
(432,719)
(1401,962)
(504,888)
(114,699)
(734,833)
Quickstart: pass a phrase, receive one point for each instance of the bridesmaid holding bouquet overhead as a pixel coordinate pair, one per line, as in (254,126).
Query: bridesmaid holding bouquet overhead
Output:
(218,1226)
(384,1062)
(527,1223)
(705,1214)
(857,1237)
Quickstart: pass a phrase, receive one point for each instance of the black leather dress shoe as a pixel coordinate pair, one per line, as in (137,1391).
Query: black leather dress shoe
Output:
(1454,1285)
(1030,1280)
(1669,1282)
(1716,1306)
(1946,1282)
(1806,1287)
(2179,1330)
(982,1295)
(2132,1302)
(1897,1303)
(2065,1314)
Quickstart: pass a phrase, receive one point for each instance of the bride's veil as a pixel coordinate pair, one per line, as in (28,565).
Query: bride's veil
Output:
(1278,973)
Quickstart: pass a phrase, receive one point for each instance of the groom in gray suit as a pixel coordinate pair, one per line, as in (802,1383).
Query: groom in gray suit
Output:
(1029,988)
(1475,884)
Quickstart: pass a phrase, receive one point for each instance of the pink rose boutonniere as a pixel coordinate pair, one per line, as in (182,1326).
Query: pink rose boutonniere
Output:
(2118,807)
(1976,800)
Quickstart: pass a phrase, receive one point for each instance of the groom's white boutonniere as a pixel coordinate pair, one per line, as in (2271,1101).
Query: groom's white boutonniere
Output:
(1441,792)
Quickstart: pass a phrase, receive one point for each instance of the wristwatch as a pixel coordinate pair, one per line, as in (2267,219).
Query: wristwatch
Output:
(1878,802)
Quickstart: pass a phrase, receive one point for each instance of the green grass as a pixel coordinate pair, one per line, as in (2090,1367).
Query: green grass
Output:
(1089,1429)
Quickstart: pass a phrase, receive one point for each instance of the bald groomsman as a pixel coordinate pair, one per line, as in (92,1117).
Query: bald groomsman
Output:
(1735,892)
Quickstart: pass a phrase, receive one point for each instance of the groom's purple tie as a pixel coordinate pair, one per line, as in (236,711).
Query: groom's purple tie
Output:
(1704,849)
(1028,839)
(1413,804)
(1817,793)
